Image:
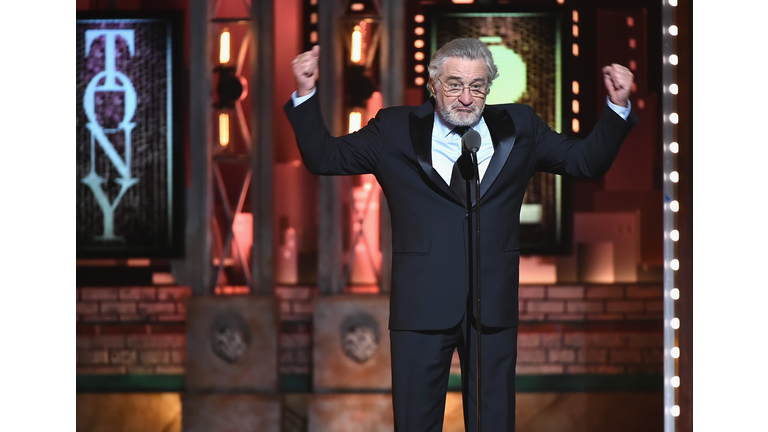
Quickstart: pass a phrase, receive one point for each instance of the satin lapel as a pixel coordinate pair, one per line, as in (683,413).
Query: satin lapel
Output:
(502,130)
(421,122)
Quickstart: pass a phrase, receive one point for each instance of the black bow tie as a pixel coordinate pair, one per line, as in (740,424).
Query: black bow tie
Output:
(461,130)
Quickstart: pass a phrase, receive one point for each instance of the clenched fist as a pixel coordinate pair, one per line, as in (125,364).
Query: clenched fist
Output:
(306,70)
(618,82)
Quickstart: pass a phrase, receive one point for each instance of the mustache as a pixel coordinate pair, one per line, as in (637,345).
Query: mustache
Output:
(461,105)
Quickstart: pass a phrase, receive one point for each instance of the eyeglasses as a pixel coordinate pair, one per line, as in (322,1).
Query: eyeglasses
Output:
(454,89)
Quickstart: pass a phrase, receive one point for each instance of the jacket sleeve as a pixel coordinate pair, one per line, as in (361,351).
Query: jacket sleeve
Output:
(323,154)
(589,157)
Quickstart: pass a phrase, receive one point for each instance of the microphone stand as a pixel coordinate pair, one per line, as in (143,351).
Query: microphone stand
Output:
(476,262)
(475,257)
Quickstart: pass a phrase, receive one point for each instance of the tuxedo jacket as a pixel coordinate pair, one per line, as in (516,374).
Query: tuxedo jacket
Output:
(430,264)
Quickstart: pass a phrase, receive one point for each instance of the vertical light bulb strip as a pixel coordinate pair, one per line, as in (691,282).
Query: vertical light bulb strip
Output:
(671,206)
(575,127)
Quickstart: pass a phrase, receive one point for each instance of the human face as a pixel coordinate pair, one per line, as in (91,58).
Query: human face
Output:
(465,109)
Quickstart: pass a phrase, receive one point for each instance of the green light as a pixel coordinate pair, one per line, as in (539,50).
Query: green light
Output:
(512,81)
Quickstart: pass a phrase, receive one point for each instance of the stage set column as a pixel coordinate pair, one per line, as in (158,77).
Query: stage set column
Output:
(351,376)
(231,340)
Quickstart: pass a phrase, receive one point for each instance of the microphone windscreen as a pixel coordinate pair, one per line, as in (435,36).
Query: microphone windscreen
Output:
(471,140)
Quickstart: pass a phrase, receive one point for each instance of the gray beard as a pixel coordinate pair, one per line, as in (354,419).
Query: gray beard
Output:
(455,119)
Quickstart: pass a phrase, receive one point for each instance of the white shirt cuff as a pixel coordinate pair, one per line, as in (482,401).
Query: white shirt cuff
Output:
(298,100)
(620,110)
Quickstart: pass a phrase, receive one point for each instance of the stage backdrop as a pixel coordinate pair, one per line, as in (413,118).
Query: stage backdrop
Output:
(526,50)
(129,162)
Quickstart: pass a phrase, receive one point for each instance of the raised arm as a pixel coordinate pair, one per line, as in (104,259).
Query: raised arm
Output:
(322,153)
(594,155)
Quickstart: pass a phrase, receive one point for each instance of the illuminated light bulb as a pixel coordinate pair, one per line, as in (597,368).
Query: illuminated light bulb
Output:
(357,44)
(357,7)
(419,56)
(355,121)
(673,3)
(419,81)
(630,22)
(675,294)
(632,64)
(673,30)
(560,1)
(419,18)
(575,30)
(419,68)
(673,59)
(673,88)
(675,323)
(313,36)
(674,235)
(674,118)
(575,16)
(674,176)
(674,206)
(575,106)
(419,31)
(675,410)
(575,50)
(418,43)
(675,264)
(632,43)
(367,186)
(463,1)
(224,45)
(313,18)
(575,87)
(223,129)
(675,381)
(575,125)
(674,147)
(675,352)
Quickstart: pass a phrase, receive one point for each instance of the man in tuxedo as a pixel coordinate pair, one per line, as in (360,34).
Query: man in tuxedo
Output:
(412,151)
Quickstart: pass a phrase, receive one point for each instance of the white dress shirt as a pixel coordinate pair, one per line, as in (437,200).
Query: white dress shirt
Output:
(446,148)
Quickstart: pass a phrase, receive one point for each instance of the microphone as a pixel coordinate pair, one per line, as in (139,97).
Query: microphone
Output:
(471,141)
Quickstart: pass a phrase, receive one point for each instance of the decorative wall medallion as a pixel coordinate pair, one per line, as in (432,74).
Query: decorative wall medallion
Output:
(359,337)
(230,336)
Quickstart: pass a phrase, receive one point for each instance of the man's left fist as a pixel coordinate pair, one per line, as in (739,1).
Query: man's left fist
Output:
(618,82)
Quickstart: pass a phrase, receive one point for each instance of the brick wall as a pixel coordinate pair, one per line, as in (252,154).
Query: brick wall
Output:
(131,304)
(296,329)
(296,302)
(130,348)
(578,349)
(591,302)
(131,330)
(575,329)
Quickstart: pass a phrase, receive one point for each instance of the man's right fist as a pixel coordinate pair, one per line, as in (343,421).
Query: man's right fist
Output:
(306,70)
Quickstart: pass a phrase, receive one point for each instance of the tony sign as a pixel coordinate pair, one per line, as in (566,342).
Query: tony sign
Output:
(130,181)
(110,80)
